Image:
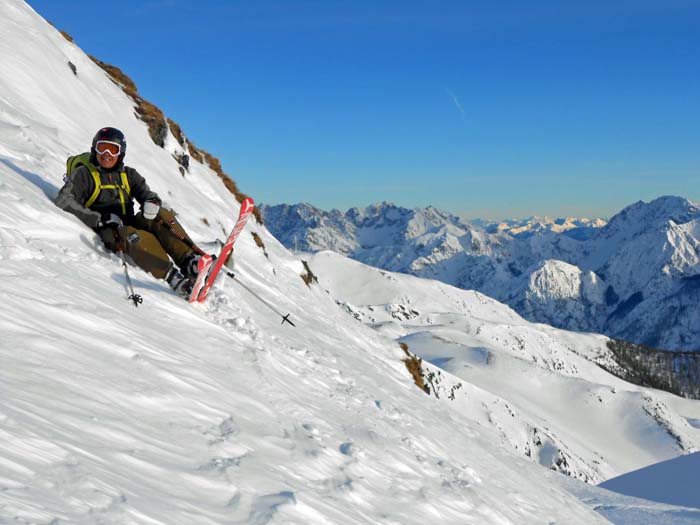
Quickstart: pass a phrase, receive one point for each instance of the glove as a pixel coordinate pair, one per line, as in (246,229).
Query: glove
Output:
(110,220)
(150,209)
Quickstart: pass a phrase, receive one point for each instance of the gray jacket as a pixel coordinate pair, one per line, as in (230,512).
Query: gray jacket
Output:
(80,185)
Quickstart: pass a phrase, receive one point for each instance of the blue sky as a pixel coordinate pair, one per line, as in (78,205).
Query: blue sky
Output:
(484,108)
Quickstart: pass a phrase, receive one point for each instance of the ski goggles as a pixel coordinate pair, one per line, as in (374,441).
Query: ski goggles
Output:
(105,146)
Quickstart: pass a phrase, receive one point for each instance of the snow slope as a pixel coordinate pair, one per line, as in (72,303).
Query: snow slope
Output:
(173,414)
(539,388)
(628,510)
(674,481)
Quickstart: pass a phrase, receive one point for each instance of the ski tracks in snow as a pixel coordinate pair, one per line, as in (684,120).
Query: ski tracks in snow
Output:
(322,460)
(300,383)
(295,437)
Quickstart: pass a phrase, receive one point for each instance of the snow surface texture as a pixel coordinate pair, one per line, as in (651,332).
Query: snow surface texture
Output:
(635,278)
(538,387)
(626,510)
(174,414)
(534,385)
(675,481)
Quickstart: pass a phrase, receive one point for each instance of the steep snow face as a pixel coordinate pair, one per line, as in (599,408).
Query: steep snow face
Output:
(375,226)
(538,388)
(305,228)
(645,254)
(641,216)
(643,261)
(653,263)
(643,247)
(174,414)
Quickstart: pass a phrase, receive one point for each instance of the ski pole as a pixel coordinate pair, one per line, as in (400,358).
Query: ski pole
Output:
(285,318)
(191,244)
(183,238)
(133,297)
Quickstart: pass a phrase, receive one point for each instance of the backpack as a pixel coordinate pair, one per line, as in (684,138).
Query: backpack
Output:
(83,159)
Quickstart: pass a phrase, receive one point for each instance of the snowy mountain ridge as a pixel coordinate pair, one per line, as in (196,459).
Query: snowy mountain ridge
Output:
(304,227)
(632,278)
(533,225)
(174,414)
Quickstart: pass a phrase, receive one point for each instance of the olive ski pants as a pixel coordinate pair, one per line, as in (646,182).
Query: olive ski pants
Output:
(151,244)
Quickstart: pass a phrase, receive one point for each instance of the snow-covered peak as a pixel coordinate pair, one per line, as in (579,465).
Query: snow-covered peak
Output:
(407,222)
(645,216)
(647,246)
(562,294)
(305,228)
(557,280)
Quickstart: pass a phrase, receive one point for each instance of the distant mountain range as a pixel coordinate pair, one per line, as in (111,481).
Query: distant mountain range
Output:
(576,227)
(636,277)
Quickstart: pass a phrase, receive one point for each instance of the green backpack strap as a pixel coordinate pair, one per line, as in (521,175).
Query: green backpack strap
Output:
(83,159)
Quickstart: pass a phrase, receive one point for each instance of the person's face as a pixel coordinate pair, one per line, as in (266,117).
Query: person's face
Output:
(107,160)
(107,154)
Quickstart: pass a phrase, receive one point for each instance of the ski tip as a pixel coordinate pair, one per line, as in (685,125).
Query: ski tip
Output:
(247,204)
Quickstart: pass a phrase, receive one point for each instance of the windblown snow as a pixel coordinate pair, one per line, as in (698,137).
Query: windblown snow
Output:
(174,414)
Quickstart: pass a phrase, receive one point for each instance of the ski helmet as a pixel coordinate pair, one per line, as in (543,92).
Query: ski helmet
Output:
(109,135)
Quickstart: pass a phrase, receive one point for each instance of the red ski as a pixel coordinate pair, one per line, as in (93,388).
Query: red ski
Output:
(205,262)
(247,207)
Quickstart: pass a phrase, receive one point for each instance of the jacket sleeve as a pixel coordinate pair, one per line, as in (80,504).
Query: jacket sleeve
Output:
(139,188)
(75,192)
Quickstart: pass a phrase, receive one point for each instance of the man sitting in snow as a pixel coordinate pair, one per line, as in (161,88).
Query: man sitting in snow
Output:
(100,191)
